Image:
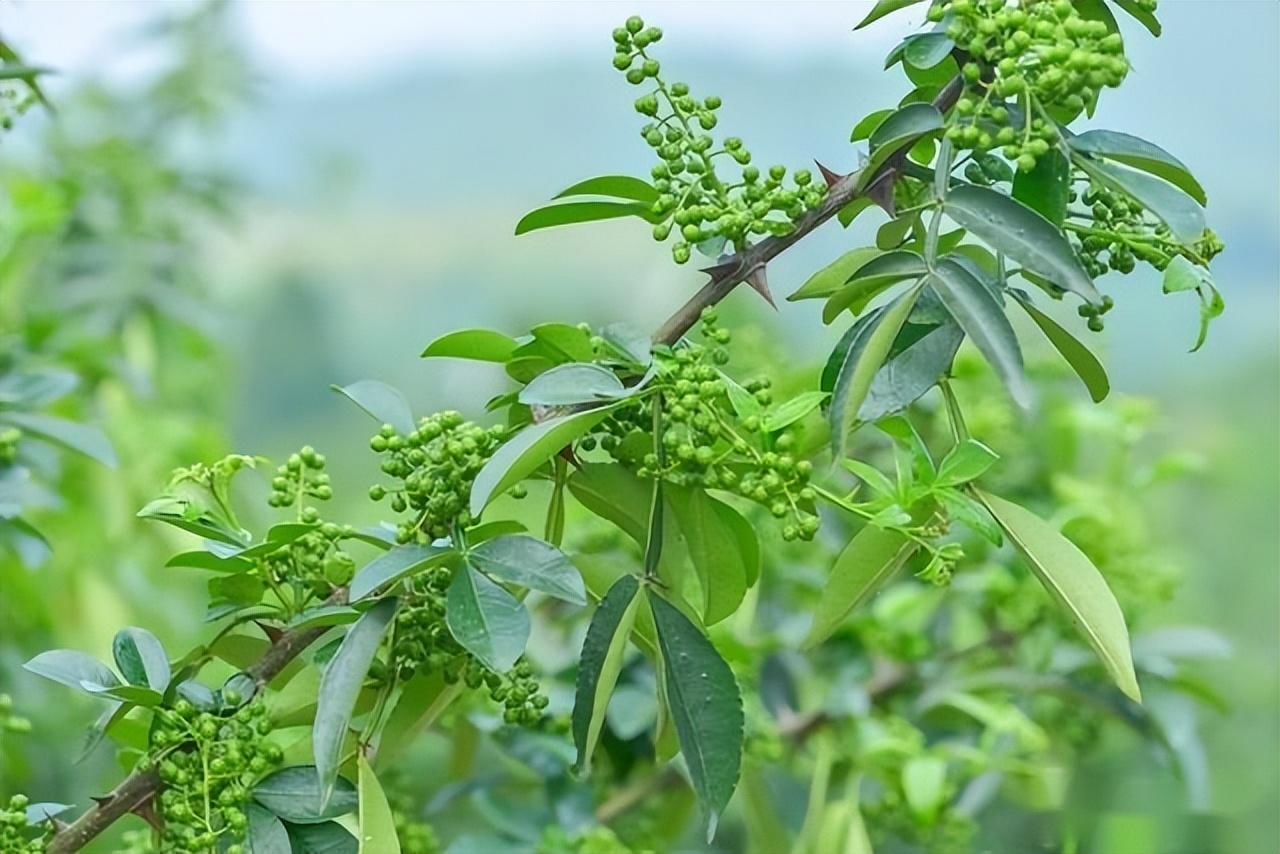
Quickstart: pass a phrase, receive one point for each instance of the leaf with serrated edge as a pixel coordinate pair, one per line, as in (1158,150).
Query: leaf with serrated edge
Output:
(600,663)
(867,563)
(713,547)
(1074,582)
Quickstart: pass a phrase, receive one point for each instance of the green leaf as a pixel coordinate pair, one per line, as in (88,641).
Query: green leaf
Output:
(522,454)
(1022,234)
(603,650)
(970,513)
(1140,154)
(296,795)
(861,364)
(705,706)
(924,780)
(926,50)
(867,563)
(377,822)
(325,615)
(1182,275)
(630,341)
(744,403)
(1175,208)
(137,695)
(328,837)
(201,559)
(1141,15)
(1074,583)
(481,345)
(833,277)
(530,562)
(600,574)
(340,685)
(967,461)
(572,383)
(81,438)
(984,321)
(141,658)
(790,411)
(563,342)
(486,619)
(900,130)
(868,124)
(384,403)
(73,669)
(904,378)
(618,186)
(1081,360)
(394,564)
(713,548)
(265,833)
(882,8)
(567,213)
(1045,188)
(871,279)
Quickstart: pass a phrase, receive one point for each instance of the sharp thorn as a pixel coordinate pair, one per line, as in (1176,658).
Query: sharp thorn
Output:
(757,280)
(832,178)
(273,634)
(723,268)
(881,192)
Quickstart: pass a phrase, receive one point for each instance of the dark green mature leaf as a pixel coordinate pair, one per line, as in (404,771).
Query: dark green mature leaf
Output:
(265,833)
(297,795)
(601,661)
(1083,362)
(384,403)
(618,186)
(705,706)
(481,345)
(1174,207)
(852,335)
(871,279)
(713,547)
(861,364)
(1182,275)
(926,50)
(522,454)
(73,669)
(81,438)
(1140,154)
(904,378)
(900,130)
(567,213)
(572,383)
(1142,16)
(790,411)
(530,562)
(141,658)
(487,620)
(1022,234)
(394,565)
(867,563)
(833,277)
(1075,584)
(1046,187)
(984,321)
(377,822)
(340,686)
(882,8)
(328,837)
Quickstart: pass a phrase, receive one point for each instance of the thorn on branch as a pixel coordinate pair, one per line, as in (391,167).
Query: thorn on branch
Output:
(832,178)
(757,280)
(881,192)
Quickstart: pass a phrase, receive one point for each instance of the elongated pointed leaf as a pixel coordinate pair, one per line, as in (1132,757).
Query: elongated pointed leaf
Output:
(618,186)
(965,462)
(567,213)
(882,8)
(867,563)
(521,455)
(1182,275)
(602,656)
(871,279)
(265,833)
(1022,234)
(73,669)
(904,128)
(1175,208)
(1140,154)
(486,620)
(904,378)
(81,438)
(530,562)
(481,345)
(395,564)
(377,822)
(1141,15)
(984,321)
(296,795)
(326,837)
(705,706)
(1078,356)
(713,547)
(790,411)
(1045,188)
(833,277)
(861,364)
(141,658)
(340,686)
(1074,583)
(384,403)
(576,382)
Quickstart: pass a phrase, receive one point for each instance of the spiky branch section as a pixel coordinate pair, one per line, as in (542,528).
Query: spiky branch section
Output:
(134,793)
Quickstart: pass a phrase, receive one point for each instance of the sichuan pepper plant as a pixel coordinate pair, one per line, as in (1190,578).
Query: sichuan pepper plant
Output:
(336,646)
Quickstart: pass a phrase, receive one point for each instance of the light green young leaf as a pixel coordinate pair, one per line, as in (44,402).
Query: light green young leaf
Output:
(487,620)
(600,663)
(868,124)
(395,564)
(924,780)
(705,706)
(1022,234)
(790,411)
(1140,154)
(963,509)
(713,547)
(833,277)
(1081,360)
(377,822)
(568,213)
(530,562)
(1075,583)
(967,461)
(141,658)
(618,186)
(872,279)
(870,475)
(481,345)
(572,383)
(1182,275)
(867,563)
(743,402)
(384,403)
(343,679)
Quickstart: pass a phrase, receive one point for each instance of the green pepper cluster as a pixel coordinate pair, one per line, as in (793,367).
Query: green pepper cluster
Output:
(693,199)
(435,466)
(16,835)
(208,762)
(314,561)
(9,722)
(1039,53)
(9,438)
(301,476)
